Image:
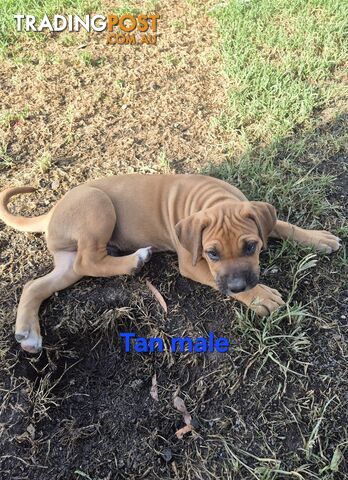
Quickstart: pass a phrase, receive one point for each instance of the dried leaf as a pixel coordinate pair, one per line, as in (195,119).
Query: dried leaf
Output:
(181,432)
(179,404)
(154,390)
(157,295)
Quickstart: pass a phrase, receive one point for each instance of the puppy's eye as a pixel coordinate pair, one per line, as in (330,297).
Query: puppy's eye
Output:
(250,248)
(213,255)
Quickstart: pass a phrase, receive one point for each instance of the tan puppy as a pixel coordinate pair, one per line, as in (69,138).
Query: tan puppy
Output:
(217,233)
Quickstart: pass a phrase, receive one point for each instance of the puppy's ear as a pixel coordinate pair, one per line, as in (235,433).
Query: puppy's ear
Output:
(190,231)
(265,217)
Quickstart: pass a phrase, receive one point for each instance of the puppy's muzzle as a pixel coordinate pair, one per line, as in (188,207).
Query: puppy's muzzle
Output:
(237,282)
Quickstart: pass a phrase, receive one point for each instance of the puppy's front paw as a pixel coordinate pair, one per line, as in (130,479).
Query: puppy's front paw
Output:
(323,241)
(142,255)
(261,299)
(30,340)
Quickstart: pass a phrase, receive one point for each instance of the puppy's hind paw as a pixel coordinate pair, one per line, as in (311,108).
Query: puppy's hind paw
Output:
(143,256)
(30,341)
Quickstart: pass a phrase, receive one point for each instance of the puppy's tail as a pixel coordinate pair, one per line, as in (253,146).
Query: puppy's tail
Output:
(24,224)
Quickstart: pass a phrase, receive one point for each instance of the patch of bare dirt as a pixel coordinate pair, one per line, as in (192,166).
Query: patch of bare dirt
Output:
(103,109)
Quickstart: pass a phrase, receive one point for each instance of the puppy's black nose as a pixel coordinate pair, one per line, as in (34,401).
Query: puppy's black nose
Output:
(237,285)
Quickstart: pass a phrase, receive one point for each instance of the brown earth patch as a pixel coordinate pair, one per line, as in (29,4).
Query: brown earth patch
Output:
(101,109)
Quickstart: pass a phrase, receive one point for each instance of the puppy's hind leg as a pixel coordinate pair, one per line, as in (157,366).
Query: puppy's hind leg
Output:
(93,260)
(321,240)
(27,331)
(85,219)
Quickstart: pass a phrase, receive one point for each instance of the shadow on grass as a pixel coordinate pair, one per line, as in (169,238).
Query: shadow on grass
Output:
(304,175)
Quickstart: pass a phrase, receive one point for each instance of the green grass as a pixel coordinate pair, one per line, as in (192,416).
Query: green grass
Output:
(274,175)
(280,59)
(39,8)
(45,162)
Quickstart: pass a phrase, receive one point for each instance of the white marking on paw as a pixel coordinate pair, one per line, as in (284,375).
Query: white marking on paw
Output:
(33,342)
(144,254)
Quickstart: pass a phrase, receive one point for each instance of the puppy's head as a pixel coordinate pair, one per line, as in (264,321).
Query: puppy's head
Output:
(229,237)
